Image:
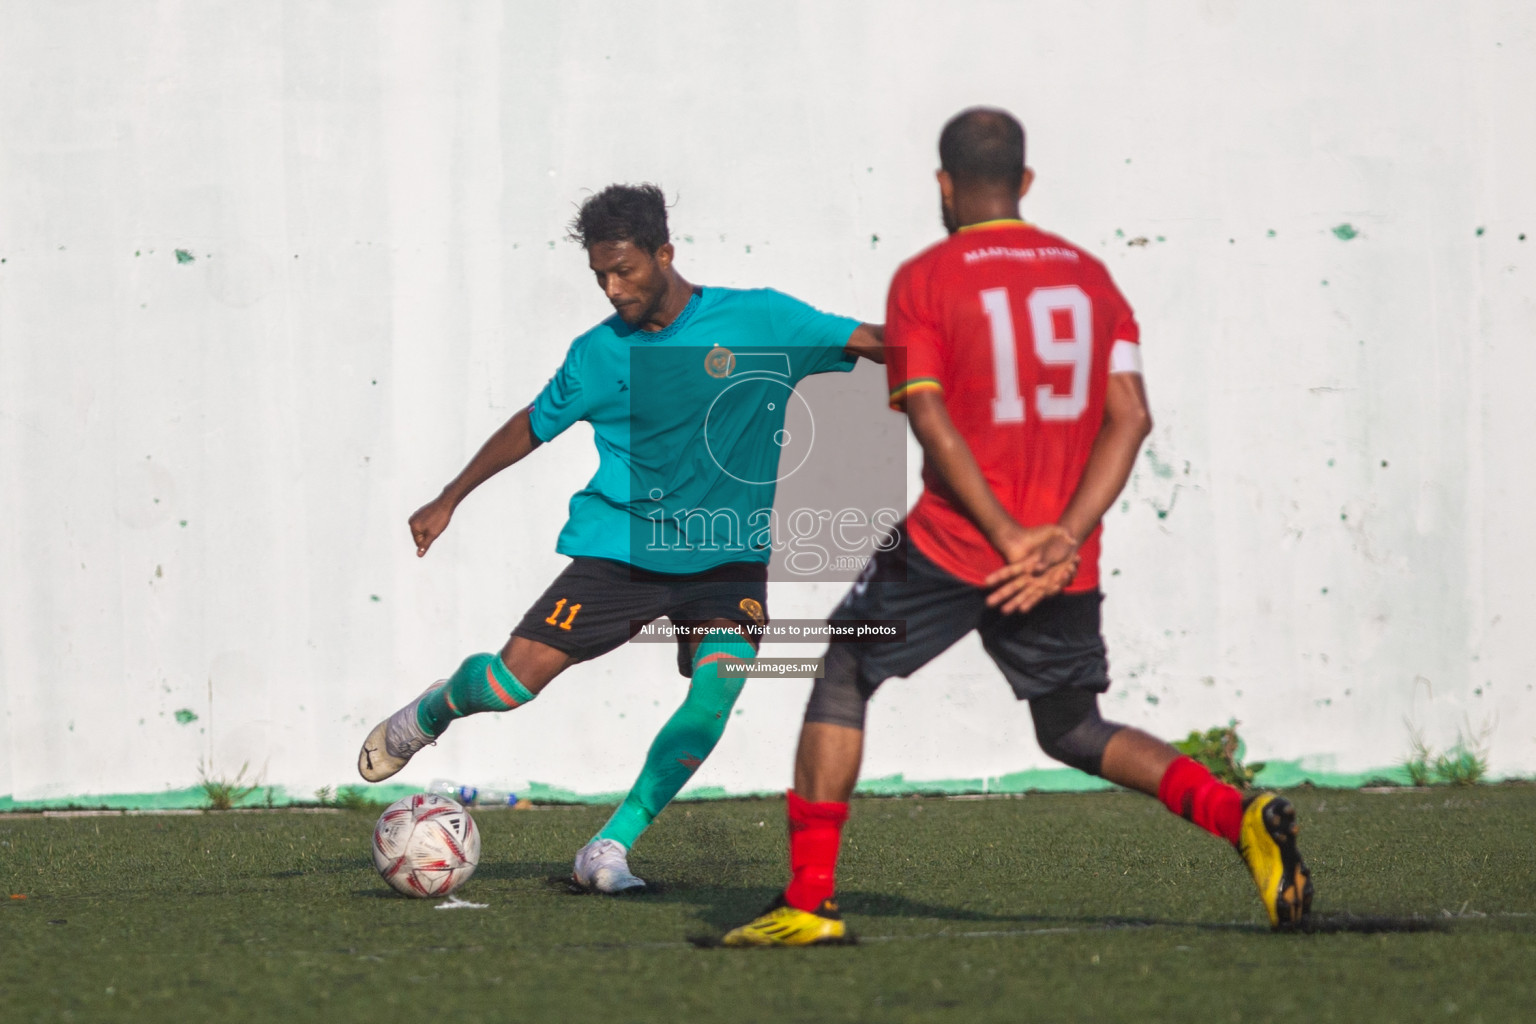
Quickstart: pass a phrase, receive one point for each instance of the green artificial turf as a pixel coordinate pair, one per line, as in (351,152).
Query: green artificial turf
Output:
(1098,907)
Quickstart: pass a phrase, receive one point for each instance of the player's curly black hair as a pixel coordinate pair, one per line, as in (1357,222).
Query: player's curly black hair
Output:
(983,146)
(623,213)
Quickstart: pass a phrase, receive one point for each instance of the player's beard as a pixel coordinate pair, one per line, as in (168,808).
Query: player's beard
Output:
(647,309)
(947,214)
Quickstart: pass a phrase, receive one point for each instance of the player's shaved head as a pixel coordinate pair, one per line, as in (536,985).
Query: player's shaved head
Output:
(983,147)
(623,213)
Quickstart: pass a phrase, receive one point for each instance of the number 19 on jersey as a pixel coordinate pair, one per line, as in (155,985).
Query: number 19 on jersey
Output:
(1074,350)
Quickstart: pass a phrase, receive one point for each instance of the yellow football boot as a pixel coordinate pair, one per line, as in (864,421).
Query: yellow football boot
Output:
(1267,845)
(783,925)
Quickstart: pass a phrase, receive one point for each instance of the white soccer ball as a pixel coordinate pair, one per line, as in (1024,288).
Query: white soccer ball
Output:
(425,845)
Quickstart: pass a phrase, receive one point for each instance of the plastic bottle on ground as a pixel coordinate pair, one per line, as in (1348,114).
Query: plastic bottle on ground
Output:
(473,796)
(453,791)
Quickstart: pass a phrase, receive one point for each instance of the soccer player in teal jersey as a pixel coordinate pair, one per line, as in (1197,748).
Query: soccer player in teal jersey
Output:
(685,388)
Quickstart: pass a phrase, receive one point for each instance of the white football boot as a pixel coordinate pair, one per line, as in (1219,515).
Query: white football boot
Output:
(603,866)
(394,741)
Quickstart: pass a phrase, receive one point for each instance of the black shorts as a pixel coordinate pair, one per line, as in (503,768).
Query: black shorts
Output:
(597,604)
(1052,647)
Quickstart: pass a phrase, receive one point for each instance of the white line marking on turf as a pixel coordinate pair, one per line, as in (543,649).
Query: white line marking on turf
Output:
(454,903)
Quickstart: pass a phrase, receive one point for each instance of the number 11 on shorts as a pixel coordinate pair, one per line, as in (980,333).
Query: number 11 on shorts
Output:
(554,616)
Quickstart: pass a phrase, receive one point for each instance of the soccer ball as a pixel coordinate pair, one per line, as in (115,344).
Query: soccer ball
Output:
(425,845)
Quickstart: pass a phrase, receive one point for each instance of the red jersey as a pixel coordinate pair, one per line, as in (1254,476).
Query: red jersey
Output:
(1020,331)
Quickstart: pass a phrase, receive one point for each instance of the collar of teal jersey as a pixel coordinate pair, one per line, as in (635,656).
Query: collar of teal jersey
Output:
(677,324)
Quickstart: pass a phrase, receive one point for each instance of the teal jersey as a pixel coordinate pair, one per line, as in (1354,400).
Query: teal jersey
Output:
(689,423)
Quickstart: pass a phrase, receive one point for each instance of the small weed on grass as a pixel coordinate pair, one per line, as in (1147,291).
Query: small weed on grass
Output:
(347,798)
(225,793)
(1221,751)
(1465,763)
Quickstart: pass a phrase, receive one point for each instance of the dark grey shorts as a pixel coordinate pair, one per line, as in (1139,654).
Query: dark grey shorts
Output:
(596,604)
(1054,646)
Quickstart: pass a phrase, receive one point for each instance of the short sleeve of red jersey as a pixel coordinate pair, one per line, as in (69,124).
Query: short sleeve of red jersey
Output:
(1125,338)
(913,354)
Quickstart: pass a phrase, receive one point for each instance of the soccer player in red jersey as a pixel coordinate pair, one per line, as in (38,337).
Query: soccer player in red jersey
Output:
(1018,364)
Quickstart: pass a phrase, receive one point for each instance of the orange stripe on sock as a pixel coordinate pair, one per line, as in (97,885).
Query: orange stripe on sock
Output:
(506,698)
(710,659)
(448,696)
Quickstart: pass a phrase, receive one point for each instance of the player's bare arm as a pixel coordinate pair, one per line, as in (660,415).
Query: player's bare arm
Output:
(507,446)
(1127,422)
(867,340)
(947,452)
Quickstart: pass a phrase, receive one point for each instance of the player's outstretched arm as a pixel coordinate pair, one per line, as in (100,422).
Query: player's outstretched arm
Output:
(946,451)
(867,340)
(1127,422)
(511,443)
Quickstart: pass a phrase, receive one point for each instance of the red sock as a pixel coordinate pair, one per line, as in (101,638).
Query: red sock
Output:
(1194,794)
(815,830)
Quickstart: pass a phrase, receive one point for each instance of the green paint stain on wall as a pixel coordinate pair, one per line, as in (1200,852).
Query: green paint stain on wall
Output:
(375,598)
(1159,467)
(1480,232)
(1270,233)
(185,716)
(183,256)
(1344,232)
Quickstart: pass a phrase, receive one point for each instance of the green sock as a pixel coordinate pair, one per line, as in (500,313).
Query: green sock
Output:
(685,741)
(482,683)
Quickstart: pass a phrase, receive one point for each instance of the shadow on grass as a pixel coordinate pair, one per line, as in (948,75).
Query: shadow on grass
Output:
(521,870)
(726,907)
(1335,924)
(328,866)
(502,871)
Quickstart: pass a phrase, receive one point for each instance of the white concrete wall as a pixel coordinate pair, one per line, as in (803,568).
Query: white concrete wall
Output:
(206,466)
